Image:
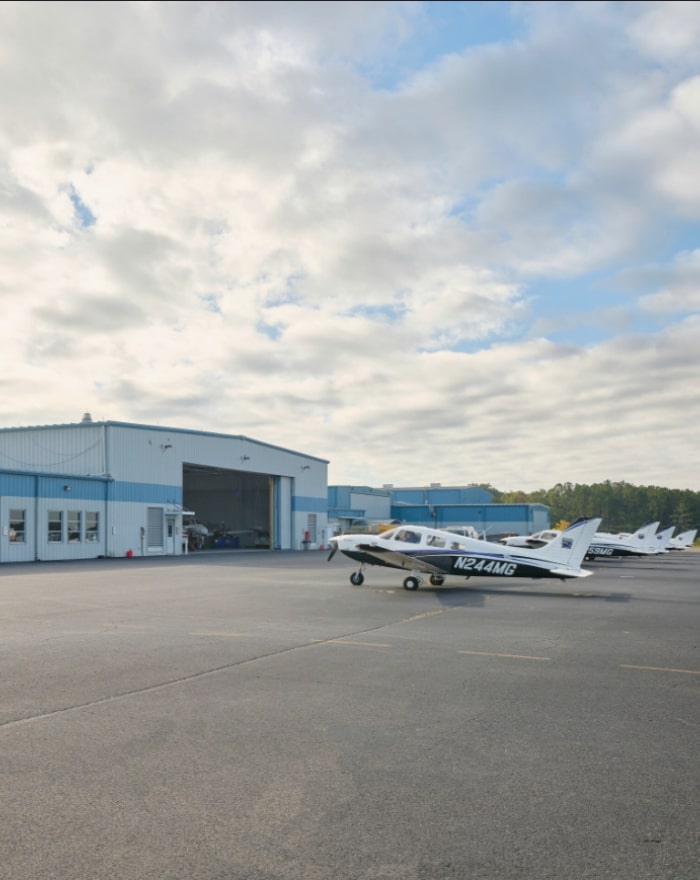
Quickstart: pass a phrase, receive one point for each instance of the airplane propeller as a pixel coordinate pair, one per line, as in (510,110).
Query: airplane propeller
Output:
(334,550)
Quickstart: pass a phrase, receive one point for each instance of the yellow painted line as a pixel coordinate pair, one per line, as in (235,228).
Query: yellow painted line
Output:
(661,669)
(510,656)
(220,635)
(424,614)
(349,642)
(95,632)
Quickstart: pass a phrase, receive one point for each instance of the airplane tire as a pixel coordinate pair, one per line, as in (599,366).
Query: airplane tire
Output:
(437,580)
(357,578)
(411,583)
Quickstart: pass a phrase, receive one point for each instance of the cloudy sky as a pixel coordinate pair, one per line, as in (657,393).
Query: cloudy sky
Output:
(429,242)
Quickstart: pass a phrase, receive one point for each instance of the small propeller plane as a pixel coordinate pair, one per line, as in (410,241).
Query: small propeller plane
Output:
(663,539)
(438,553)
(683,541)
(609,546)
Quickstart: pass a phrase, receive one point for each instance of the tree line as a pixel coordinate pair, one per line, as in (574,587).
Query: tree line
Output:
(622,506)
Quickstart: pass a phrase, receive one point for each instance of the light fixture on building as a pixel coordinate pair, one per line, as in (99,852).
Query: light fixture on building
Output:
(67,488)
(245,458)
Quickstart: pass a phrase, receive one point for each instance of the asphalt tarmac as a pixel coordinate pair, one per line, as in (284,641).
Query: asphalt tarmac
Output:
(252,716)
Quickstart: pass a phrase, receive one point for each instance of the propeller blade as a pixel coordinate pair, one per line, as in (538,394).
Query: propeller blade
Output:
(334,549)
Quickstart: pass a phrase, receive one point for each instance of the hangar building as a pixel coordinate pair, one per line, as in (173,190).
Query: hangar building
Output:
(94,489)
(434,505)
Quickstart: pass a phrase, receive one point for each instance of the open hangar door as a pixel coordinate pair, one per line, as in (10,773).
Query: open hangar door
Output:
(234,506)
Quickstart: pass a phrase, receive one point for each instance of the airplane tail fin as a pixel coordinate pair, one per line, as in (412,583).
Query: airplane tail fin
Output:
(570,546)
(643,538)
(685,539)
(663,539)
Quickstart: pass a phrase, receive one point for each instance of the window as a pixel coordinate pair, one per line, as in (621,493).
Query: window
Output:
(55,526)
(92,526)
(17,525)
(74,523)
(408,536)
(436,541)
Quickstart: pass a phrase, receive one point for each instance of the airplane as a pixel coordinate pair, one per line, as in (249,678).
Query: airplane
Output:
(662,540)
(607,545)
(683,541)
(438,553)
(537,539)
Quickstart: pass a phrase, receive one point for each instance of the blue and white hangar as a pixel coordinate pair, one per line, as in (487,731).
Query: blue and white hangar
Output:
(103,488)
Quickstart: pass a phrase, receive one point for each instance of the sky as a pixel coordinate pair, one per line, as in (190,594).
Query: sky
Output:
(428,242)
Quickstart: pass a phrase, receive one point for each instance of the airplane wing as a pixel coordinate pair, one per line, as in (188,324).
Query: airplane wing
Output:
(398,560)
(568,572)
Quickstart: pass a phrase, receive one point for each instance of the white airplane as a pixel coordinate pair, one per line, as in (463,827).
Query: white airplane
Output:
(683,541)
(537,539)
(662,540)
(438,553)
(607,545)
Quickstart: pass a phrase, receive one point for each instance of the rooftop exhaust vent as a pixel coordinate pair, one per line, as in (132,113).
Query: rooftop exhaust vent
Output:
(87,417)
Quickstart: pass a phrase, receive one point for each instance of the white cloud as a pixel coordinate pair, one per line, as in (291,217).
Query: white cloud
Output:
(281,249)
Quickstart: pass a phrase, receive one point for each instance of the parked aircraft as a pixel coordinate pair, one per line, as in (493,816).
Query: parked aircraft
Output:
(438,553)
(538,539)
(607,545)
(684,540)
(662,540)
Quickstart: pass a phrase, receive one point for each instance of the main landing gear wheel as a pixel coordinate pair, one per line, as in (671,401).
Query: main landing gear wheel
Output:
(437,580)
(411,583)
(357,578)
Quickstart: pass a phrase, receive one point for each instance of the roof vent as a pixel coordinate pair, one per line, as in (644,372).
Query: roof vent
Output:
(87,417)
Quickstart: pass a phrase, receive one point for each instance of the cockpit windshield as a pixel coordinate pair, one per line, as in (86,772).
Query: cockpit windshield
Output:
(407,535)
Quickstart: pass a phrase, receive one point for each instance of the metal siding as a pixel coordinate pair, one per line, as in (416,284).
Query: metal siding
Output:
(145,468)
(17,484)
(69,449)
(493,519)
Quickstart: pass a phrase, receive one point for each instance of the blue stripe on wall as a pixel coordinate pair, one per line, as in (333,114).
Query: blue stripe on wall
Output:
(307,504)
(87,489)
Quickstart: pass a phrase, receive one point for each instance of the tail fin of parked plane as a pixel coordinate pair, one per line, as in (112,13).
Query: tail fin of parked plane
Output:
(663,539)
(643,538)
(570,546)
(685,539)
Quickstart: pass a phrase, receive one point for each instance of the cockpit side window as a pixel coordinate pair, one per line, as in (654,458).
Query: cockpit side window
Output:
(436,541)
(408,536)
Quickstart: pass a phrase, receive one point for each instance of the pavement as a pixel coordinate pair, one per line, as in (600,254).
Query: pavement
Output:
(250,715)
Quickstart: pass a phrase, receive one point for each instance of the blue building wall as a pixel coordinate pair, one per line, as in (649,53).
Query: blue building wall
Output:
(438,506)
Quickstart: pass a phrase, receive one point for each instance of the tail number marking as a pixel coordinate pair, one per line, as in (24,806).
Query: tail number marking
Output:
(472,564)
(601,551)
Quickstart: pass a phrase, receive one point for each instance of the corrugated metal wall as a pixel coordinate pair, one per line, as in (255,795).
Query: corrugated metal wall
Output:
(141,467)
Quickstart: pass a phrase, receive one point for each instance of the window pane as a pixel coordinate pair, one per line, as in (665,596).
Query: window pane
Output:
(74,518)
(92,526)
(55,526)
(17,525)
